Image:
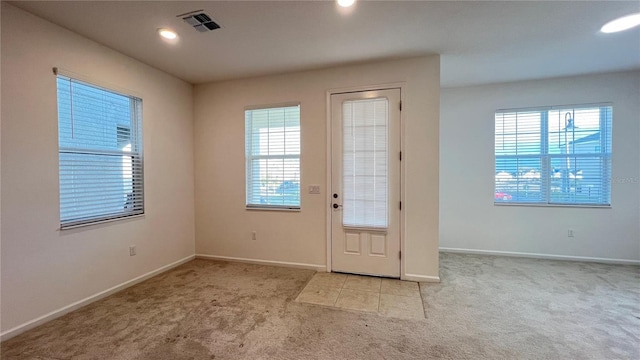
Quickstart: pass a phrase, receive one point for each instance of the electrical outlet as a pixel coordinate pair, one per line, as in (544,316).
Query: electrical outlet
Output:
(570,233)
(132,250)
(314,189)
(254,235)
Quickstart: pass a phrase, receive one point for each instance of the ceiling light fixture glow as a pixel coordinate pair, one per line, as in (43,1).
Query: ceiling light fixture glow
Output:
(621,24)
(346,3)
(167,34)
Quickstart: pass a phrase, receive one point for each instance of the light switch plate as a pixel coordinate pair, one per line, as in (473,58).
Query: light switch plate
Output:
(314,189)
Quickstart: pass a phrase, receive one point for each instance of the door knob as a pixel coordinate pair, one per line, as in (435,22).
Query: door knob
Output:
(335,206)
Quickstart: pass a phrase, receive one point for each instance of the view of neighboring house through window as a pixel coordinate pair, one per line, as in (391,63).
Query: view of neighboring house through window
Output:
(553,155)
(100,153)
(272,140)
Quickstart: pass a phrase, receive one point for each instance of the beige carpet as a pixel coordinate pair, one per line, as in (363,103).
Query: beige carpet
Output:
(485,308)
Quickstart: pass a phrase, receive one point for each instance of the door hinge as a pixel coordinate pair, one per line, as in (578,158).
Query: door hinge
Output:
(400,205)
(400,105)
(400,155)
(400,255)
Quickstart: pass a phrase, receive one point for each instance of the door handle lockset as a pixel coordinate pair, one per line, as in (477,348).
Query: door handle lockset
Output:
(335,206)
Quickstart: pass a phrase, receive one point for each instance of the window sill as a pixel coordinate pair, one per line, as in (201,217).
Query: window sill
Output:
(100,222)
(272,208)
(589,206)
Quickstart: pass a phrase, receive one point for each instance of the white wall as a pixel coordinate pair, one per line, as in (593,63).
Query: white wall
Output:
(223,225)
(468,218)
(44,269)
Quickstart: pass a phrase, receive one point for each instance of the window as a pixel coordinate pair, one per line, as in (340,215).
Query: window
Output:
(364,165)
(553,155)
(272,140)
(100,153)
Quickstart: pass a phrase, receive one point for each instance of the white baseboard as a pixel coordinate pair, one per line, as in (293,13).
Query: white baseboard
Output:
(541,256)
(6,335)
(421,278)
(319,268)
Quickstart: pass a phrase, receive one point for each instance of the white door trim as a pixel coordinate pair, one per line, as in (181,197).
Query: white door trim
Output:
(398,85)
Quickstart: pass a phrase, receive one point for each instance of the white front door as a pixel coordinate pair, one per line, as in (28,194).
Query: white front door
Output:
(365,182)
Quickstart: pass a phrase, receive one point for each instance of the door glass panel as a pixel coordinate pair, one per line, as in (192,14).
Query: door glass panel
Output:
(365,163)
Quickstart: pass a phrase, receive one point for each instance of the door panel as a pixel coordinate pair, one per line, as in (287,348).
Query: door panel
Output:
(365,182)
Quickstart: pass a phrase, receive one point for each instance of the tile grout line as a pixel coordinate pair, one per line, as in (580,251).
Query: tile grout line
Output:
(340,293)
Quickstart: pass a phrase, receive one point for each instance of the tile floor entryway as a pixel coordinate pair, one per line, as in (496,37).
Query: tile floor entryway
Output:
(387,297)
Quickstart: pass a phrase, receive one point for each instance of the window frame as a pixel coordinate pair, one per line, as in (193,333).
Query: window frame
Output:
(250,157)
(545,156)
(135,129)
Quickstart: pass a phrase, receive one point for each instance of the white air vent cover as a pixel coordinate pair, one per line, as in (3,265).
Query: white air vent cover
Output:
(200,21)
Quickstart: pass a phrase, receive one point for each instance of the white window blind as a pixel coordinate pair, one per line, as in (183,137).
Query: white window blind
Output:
(100,153)
(272,140)
(553,155)
(365,163)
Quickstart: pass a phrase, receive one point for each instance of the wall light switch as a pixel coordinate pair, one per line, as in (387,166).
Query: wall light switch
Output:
(314,189)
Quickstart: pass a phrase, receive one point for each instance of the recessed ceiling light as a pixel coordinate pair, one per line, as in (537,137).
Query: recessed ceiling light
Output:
(346,3)
(167,34)
(621,24)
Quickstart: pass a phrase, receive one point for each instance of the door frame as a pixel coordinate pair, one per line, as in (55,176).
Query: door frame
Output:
(328,200)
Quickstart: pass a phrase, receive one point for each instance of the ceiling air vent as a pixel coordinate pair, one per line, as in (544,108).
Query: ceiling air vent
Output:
(200,21)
